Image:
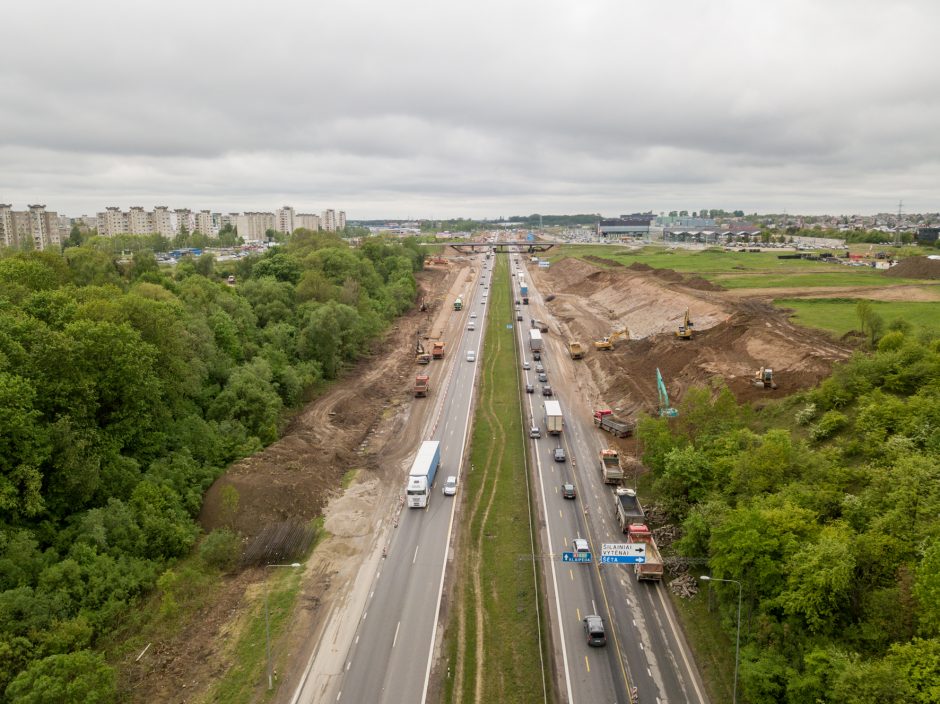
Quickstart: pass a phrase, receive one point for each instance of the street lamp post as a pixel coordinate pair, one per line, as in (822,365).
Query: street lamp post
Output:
(267,621)
(737,641)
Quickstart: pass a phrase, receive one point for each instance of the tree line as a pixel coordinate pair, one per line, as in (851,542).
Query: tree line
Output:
(125,390)
(827,510)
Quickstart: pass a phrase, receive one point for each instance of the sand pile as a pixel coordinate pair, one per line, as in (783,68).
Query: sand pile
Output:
(916,268)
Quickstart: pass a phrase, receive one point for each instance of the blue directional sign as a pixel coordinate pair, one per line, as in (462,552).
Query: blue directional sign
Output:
(623,559)
(530,237)
(580,557)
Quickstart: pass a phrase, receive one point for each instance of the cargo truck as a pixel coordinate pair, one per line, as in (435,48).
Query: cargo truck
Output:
(422,385)
(458,304)
(423,471)
(535,340)
(524,292)
(605,420)
(652,568)
(554,421)
(575,350)
(628,509)
(437,350)
(611,469)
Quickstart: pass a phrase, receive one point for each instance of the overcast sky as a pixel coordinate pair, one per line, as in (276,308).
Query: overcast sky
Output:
(477,108)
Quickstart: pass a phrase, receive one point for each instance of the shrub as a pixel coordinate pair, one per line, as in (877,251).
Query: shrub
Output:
(831,423)
(220,549)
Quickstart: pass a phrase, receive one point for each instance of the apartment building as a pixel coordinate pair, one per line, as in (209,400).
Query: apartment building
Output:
(253,226)
(204,224)
(341,220)
(285,219)
(328,220)
(35,227)
(307,221)
(162,221)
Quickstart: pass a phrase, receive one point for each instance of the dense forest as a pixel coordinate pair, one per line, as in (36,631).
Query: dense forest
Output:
(829,517)
(124,392)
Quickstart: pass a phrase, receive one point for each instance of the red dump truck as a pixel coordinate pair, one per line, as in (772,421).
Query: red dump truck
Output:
(605,420)
(422,385)
(437,350)
(652,569)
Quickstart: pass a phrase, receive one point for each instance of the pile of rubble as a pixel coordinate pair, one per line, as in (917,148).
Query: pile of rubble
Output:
(684,585)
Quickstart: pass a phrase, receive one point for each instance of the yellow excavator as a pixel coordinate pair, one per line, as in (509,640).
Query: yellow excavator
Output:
(685,327)
(608,342)
(764,378)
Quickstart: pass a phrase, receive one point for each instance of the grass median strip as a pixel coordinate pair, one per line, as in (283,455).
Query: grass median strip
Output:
(493,637)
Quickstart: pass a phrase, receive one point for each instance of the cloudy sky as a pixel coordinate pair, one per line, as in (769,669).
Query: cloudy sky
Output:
(477,108)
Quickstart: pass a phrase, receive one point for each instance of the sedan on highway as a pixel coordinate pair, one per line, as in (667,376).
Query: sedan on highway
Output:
(559,454)
(450,486)
(525,365)
(568,491)
(594,631)
(529,389)
(543,377)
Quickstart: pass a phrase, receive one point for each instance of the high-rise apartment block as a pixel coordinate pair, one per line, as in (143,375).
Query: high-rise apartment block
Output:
(328,220)
(36,228)
(253,226)
(341,219)
(308,221)
(285,219)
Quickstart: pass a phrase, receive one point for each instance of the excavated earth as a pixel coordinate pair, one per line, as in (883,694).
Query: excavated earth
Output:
(733,338)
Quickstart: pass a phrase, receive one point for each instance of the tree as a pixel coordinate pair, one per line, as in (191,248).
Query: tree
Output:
(869,321)
(927,591)
(24,446)
(82,677)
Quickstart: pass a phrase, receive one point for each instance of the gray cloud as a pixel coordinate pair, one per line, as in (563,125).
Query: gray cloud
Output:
(483,108)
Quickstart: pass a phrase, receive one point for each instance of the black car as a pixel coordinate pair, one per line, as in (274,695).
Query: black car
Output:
(529,389)
(568,491)
(536,355)
(547,390)
(594,631)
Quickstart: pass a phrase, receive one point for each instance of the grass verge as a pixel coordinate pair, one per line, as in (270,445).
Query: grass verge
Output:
(714,651)
(839,317)
(493,636)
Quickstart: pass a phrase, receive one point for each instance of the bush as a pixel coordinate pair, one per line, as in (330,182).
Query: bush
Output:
(831,423)
(220,549)
(806,414)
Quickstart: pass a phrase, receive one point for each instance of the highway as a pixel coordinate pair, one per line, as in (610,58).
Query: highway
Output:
(645,647)
(390,655)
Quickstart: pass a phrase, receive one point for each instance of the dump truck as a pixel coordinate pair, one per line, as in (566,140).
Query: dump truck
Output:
(422,385)
(554,421)
(605,420)
(458,304)
(575,350)
(437,350)
(611,469)
(652,568)
(535,340)
(627,508)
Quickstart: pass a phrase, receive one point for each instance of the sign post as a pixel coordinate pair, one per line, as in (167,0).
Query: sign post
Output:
(623,553)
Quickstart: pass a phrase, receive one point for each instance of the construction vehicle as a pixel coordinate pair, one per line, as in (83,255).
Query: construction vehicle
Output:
(652,568)
(764,379)
(610,467)
(422,385)
(575,350)
(458,304)
(608,342)
(437,350)
(665,410)
(628,508)
(605,420)
(685,327)
(421,355)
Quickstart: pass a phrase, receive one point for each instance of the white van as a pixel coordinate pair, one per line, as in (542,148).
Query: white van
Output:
(471,356)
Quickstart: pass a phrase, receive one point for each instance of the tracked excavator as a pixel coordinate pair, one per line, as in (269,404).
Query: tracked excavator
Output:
(764,379)
(665,410)
(685,328)
(421,355)
(608,342)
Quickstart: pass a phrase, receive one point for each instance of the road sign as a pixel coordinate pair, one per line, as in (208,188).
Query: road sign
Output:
(623,559)
(580,557)
(530,237)
(624,550)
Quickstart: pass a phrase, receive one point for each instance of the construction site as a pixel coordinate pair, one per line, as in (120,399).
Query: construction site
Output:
(367,423)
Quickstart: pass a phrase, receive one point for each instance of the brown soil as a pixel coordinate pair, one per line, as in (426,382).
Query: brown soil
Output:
(733,337)
(916,268)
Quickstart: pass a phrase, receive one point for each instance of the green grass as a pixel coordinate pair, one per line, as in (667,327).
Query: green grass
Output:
(738,269)
(838,315)
(247,678)
(496,543)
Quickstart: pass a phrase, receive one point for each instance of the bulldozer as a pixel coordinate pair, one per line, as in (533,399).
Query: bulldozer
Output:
(764,379)
(421,355)
(608,342)
(685,327)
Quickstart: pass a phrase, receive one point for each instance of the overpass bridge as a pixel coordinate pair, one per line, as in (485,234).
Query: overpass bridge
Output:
(500,247)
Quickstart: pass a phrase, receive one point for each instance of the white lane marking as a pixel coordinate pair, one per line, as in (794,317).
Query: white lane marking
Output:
(395,639)
(679,644)
(348,665)
(415,558)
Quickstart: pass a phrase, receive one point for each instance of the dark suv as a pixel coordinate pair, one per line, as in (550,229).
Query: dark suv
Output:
(594,631)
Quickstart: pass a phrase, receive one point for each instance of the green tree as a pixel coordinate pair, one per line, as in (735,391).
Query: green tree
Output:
(927,591)
(82,677)
(869,321)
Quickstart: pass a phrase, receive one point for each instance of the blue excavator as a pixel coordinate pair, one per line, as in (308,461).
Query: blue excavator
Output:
(665,410)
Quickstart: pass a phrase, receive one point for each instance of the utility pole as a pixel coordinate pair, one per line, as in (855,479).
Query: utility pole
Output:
(897,226)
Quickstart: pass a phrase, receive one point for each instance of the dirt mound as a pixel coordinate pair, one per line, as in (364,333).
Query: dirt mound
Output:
(603,262)
(915,268)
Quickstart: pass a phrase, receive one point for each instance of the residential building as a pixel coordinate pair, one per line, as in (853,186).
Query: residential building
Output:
(328,220)
(163,221)
(139,221)
(111,222)
(230,220)
(185,222)
(341,220)
(253,226)
(204,224)
(308,221)
(285,219)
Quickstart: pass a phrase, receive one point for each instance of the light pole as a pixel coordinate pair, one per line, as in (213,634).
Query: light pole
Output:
(267,621)
(737,641)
